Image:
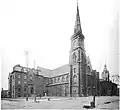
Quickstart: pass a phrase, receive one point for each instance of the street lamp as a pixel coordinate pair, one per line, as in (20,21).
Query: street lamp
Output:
(93,102)
(35,86)
(27,86)
(94,94)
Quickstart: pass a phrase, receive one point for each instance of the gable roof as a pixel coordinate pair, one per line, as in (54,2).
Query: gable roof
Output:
(55,72)
(60,70)
(45,72)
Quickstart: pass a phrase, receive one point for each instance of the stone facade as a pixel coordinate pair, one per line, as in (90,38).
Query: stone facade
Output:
(58,85)
(4,93)
(74,79)
(107,87)
(80,67)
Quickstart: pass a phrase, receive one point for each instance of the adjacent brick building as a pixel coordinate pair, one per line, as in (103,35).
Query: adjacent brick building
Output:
(107,87)
(19,81)
(4,93)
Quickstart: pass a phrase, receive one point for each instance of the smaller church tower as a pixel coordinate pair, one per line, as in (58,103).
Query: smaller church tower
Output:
(105,73)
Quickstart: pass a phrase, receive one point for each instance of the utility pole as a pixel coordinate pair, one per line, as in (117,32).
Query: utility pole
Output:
(34,64)
(35,84)
(26,54)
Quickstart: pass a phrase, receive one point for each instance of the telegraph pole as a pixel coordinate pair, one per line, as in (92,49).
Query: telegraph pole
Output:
(26,54)
(34,84)
(34,64)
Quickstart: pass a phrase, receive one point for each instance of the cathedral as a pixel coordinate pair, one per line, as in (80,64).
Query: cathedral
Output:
(75,79)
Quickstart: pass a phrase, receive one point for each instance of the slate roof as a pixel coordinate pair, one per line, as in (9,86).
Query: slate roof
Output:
(55,72)
(60,70)
(45,72)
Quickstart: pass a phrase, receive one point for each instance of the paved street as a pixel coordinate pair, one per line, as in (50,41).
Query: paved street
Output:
(62,103)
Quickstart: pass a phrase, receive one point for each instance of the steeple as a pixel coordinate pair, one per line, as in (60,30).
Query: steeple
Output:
(77,27)
(105,73)
(105,67)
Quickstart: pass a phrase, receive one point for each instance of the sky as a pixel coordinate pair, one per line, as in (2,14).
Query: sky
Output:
(44,28)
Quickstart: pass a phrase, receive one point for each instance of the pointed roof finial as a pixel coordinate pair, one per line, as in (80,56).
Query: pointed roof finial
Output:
(77,22)
(77,2)
(77,7)
(105,65)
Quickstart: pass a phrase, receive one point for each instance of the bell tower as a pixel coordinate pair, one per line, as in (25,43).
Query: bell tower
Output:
(77,60)
(105,73)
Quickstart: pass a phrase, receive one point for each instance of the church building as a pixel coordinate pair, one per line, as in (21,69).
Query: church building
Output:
(107,87)
(75,79)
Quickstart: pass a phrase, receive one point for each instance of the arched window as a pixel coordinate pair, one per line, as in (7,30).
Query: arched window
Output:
(83,57)
(74,78)
(19,89)
(74,70)
(74,91)
(88,70)
(74,57)
(24,89)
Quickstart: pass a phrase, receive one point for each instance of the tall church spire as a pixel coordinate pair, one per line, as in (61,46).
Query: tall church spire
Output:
(77,27)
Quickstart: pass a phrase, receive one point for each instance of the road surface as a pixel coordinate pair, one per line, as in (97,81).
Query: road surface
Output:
(106,103)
